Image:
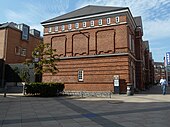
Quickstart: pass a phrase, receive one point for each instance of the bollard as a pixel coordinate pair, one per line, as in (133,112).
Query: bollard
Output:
(23,90)
(81,94)
(5,90)
(130,89)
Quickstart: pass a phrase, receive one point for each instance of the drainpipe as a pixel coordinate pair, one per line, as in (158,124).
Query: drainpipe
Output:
(4,58)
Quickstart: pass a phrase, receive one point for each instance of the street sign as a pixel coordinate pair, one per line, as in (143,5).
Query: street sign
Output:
(167,58)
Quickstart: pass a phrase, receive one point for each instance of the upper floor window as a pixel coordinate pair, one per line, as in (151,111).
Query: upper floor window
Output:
(69,26)
(56,28)
(117,19)
(84,24)
(23,52)
(76,25)
(49,29)
(100,21)
(25,32)
(80,75)
(130,41)
(62,27)
(17,50)
(92,23)
(133,45)
(108,20)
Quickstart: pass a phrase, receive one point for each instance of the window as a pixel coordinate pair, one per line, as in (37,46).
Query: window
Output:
(49,29)
(117,19)
(69,26)
(23,52)
(80,75)
(77,25)
(108,21)
(56,28)
(84,24)
(25,32)
(17,50)
(100,22)
(133,45)
(62,27)
(130,41)
(92,23)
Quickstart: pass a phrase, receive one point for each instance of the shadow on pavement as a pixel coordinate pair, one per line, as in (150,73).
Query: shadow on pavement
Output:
(155,90)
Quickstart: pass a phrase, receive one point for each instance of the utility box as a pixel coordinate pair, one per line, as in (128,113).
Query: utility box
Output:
(116,84)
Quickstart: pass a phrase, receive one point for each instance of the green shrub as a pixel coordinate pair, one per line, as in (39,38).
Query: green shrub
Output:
(44,89)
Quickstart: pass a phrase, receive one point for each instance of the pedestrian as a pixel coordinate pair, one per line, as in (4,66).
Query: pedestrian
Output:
(163,84)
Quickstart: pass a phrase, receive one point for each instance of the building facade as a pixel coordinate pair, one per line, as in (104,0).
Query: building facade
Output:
(95,44)
(159,71)
(17,42)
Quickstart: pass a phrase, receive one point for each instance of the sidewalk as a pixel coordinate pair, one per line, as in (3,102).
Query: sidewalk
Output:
(147,109)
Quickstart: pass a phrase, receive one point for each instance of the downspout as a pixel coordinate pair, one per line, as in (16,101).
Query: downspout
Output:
(4,58)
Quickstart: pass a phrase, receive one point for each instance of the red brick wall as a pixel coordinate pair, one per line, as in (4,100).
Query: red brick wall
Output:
(98,73)
(139,57)
(112,39)
(13,40)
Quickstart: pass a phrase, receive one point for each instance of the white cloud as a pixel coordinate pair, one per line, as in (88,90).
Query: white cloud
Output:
(33,13)
(12,15)
(157,29)
(159,53)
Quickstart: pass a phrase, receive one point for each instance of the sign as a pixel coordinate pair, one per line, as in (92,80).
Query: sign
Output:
(167,58)
(116,80)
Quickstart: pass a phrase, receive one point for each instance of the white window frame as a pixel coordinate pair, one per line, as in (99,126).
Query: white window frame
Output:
(19,50)
(80,75)
(56,28)
(117,19)
(69,26)
(92,23)
(23,52)
(100,22)
(84,24)
(49,29)
(63,27)
(108,21)
(76,25)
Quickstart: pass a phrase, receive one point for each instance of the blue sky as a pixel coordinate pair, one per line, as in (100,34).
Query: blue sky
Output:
(155,15)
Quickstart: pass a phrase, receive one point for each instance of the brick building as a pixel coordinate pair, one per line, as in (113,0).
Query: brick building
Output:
(159,71)
(17,42)
(96,44)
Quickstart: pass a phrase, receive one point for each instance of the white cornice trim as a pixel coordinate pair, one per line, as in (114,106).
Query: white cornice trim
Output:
(85,17)
(73,30)
(102,55)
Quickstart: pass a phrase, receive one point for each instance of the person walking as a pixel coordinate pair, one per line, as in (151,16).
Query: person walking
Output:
(163,84)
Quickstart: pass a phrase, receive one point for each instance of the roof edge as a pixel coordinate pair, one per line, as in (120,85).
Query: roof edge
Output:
(50,22)
(47,21)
